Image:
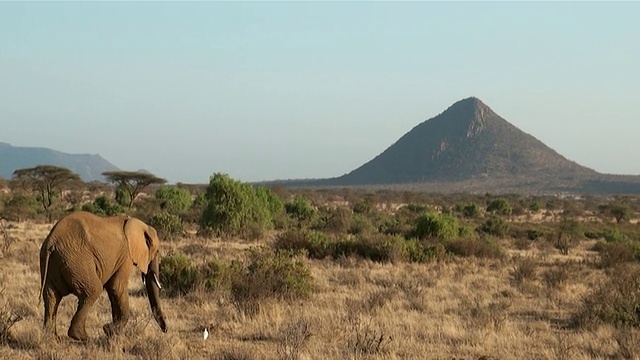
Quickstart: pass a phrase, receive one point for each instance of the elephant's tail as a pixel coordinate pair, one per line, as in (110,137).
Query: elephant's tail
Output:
(44,269)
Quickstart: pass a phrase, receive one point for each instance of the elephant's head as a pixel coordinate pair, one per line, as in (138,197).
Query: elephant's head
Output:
(144,249)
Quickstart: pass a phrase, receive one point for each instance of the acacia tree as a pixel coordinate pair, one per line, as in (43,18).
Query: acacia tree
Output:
(45,180)
(132,182)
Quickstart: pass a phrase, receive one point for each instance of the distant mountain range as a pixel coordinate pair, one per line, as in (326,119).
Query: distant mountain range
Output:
(469,147)
(88,167)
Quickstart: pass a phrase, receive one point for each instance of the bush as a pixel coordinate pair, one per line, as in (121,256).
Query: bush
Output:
(301,210)
(361,225)
(376,247)
(20,206)
(178,275)
(236,209)
(499,206)
(173,199)
(102,206)
(614,235)
(317,245)
(524,270)
(615,301)
(440,226)
(495,226)
(169,226)
(480,248)
(614,253)
(468,210)
(269,274)
(335,221)
(534,234)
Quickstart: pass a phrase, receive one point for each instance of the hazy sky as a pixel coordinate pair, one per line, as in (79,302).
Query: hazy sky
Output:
(266,91)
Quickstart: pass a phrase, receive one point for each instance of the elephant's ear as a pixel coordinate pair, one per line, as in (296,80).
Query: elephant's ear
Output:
(139,241)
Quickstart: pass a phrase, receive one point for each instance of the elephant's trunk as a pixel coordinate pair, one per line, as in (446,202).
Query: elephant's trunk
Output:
(153,293)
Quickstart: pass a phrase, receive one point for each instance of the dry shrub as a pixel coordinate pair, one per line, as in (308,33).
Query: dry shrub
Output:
(628,340)
(524,270)
(49,355)
(5,239)
(292,338)
(614,253)
(615,301)
(8,318)
(154,348)
(492,315)
(564,346)
(234,353)
(364,338)
(522,243)
(480,248)
(555,277)
(268,275)
(379,298)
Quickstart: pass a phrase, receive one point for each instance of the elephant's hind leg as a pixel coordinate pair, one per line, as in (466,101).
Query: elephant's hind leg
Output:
(51,302)
(77,329)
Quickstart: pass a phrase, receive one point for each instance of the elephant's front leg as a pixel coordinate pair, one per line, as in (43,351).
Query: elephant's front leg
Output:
(77,330)
(118,290)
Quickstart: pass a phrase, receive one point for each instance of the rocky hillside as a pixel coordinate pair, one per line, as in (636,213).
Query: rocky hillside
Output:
(89,167)
(466,141)
(470,148)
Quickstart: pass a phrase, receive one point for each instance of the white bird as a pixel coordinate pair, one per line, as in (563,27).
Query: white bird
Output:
(205,334)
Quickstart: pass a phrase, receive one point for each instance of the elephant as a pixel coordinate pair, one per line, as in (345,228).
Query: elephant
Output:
(85,253)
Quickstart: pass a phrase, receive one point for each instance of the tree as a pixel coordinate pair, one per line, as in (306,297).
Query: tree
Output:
(46,181)
(621,212)
(132,182)
(568,234)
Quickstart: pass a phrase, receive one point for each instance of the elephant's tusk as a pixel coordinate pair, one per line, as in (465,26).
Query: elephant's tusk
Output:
(155,279)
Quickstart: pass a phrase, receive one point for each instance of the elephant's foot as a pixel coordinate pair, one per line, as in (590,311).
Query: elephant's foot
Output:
(78,334)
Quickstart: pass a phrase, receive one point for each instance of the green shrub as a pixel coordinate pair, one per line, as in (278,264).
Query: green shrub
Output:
(361,225)
(20,206)
(234,208)
(480,248)
(102,206)
(301,210)
(499,206)
(173,199)
(420,252)
(468,210)
(177,274)
(495,226)
(614,235)
(169,226)
(315,244)
(216,275)
(534,234)
(393,226)
(440,226)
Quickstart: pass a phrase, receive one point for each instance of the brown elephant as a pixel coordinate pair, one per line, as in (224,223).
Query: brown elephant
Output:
(86,253)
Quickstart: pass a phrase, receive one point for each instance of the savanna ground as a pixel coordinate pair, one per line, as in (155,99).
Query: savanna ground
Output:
(517,306)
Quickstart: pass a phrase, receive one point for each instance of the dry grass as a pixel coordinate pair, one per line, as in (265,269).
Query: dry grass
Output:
(517,307)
